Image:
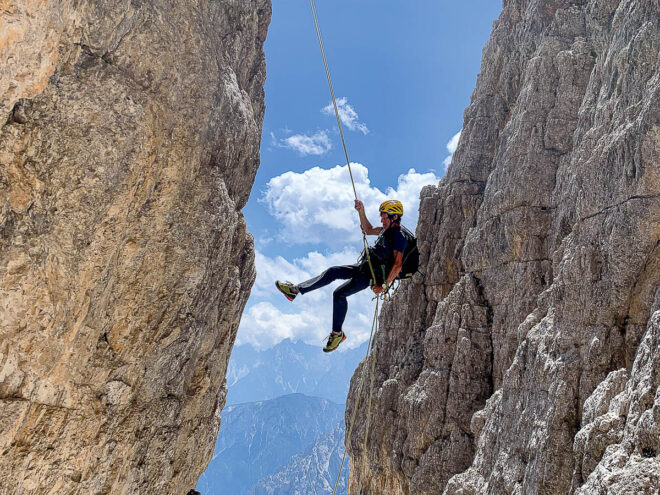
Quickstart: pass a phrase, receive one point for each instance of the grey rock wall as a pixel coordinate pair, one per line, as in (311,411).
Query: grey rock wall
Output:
(522,360)
(129,144)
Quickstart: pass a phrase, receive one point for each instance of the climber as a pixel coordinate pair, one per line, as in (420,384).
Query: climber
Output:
(386,258)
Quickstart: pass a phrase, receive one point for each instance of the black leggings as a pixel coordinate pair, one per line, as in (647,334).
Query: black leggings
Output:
(357,281)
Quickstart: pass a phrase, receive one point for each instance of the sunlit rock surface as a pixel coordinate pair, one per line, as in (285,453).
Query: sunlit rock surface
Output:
(525,358)
(129,143)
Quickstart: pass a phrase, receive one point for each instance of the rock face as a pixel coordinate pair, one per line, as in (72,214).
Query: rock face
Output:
(525,359)
(129,144)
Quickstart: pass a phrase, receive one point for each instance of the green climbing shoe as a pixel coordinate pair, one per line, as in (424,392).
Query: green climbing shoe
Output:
(334,340)
(288,289)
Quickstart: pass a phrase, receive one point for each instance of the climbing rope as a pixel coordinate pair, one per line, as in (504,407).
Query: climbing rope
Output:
(369,359)
(341,131)
(369,356)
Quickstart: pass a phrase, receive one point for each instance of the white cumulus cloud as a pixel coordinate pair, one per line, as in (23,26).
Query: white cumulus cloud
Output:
(453,142)
(300,269)
(317,205)
(347,115)
(317,144)
(308,317)
(451,147)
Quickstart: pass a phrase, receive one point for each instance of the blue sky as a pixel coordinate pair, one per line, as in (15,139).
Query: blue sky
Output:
(403,72)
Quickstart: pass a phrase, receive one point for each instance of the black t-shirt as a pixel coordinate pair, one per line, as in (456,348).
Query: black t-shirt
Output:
(382,254)
(399,241)
(388,241)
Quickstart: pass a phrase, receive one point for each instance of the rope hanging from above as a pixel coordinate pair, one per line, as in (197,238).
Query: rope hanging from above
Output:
(369,361)
(341,131)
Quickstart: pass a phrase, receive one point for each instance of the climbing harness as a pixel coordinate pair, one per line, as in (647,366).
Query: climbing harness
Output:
(369,361)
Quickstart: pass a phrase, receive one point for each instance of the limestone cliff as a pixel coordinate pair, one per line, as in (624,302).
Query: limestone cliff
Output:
(525,359)
(129,144)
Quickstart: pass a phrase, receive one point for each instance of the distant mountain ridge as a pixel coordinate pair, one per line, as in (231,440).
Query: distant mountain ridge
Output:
(312,471)
(282,431)
(277,446)
(290,367)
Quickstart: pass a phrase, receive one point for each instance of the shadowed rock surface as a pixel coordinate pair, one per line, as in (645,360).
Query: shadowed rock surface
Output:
(129,144)
(525,359)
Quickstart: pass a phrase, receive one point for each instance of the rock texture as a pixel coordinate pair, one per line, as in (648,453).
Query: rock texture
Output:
(129,143)
(525,359)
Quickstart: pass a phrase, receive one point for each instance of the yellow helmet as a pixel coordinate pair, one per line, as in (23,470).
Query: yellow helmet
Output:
(391,207)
